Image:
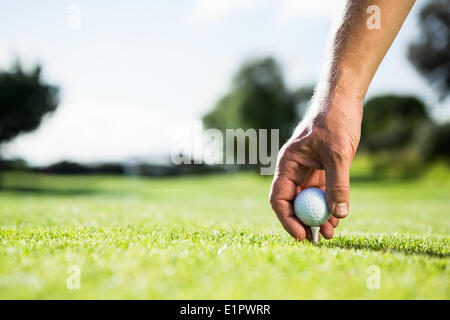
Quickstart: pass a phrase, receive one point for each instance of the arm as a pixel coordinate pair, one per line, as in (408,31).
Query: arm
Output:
(320,152)
(356,51)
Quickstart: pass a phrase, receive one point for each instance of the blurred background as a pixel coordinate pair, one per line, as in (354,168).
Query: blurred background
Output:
(109,87)
(95,96)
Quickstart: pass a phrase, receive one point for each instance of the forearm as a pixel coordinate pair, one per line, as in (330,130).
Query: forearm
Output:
(355,50)
(321,150)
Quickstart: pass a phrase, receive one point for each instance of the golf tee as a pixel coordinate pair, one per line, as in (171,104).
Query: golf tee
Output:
(315,234)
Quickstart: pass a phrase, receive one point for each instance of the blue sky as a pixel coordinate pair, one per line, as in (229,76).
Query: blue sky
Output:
(135,73)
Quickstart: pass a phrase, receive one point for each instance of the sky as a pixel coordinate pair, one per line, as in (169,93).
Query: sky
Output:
(134,76)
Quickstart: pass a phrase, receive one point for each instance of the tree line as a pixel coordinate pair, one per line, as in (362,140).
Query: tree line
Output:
(395,127)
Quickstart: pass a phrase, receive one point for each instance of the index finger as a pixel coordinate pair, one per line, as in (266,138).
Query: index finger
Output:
(282,193)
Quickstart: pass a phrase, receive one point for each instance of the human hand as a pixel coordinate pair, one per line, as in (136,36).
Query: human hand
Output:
(319,154)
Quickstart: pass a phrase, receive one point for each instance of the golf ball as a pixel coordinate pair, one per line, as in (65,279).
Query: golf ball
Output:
(311,208)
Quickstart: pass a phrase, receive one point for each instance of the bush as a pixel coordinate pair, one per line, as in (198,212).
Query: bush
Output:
(399,164)
(434,143)
(390,122)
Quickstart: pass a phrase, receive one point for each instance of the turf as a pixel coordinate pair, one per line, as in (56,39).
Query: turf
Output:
(209,237)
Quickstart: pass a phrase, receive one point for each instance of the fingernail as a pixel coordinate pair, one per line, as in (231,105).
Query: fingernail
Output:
(341,210)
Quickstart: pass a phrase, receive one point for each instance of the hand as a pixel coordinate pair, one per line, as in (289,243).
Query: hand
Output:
(319,154)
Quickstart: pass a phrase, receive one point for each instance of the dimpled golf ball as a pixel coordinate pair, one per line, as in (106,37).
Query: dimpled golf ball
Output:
(311,208)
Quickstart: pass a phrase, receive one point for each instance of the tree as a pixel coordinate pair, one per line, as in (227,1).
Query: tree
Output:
(390,122)
(259,99)
(24,100)
(302,97)
(435,142)
(431,53)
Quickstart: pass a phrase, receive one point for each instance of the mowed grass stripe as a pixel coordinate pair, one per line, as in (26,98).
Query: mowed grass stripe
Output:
(163,237)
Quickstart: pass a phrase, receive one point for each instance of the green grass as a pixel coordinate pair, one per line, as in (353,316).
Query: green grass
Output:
(211,237)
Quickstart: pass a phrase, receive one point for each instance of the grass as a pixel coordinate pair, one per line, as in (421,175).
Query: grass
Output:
(212,237)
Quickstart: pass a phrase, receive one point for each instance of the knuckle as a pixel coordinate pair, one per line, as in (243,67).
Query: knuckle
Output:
(287,151)
(273,202)
(277,207)
(295,146)
(283,156)
(338,188)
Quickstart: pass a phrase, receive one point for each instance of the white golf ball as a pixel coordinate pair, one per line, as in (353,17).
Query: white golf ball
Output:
(311,208)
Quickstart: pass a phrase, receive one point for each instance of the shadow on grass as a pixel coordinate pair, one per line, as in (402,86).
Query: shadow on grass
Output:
(433,246)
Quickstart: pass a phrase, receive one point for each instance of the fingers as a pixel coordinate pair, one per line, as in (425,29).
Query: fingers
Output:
(327,230)
(283,191)
(338,189)
(314,178)
(334,221)
(309,236)
(290,180)
(293,227)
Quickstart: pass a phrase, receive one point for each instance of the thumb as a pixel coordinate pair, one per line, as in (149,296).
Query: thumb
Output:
(338,189)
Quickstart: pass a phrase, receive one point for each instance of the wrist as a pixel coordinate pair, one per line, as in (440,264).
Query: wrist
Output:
(351,82)
(331,107)
(341,110)
(336,99)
